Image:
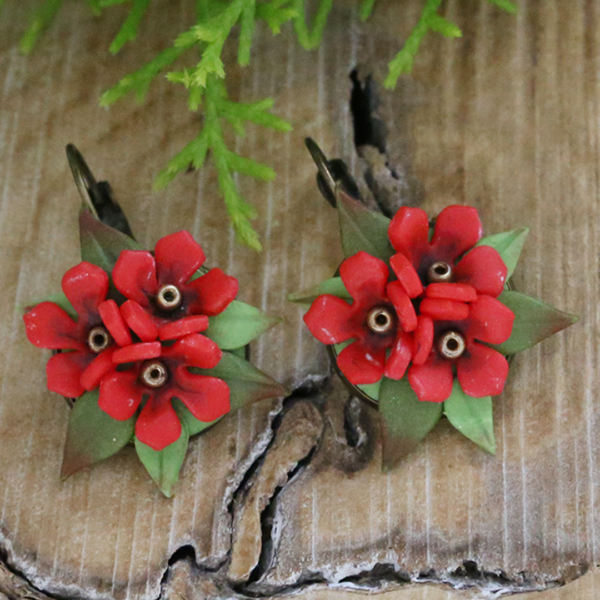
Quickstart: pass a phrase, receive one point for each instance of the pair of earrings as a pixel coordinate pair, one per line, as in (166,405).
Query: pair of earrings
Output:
(152,347)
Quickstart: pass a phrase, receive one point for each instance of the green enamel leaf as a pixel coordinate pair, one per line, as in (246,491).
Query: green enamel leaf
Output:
(472,417)
(509,245)
(334,286)
(247,384)
(92,435)
(372,389)
(362,229)
(192,425)
(405,420)
(59,299)
(164,465)
(101,244)
(238,325)
(534,321)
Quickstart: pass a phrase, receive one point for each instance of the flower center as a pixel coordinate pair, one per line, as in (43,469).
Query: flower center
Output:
(98,339)
(380,320)
(169,297)
(154,374)
(451,345)
(439,272)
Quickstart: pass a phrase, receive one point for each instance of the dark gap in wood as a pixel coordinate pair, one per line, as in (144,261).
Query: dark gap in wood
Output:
(380,573)
(355,434)
(369,130)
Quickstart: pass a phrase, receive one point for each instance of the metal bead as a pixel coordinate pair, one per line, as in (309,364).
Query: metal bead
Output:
(380,320)
(451,345)
(98,339)
(168,297)
(439,272)
(154,374)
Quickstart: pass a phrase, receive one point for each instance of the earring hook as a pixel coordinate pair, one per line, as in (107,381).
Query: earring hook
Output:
(82,174)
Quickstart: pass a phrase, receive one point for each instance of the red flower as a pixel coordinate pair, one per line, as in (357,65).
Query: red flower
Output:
(87,344)
(379,318)
(159,374)
(161,286)
(444,342)
(457,230)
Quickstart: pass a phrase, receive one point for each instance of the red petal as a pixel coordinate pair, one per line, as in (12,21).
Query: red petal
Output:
(137,352)
(490,321)
(178,257)
(403,305)
(444,310)
(158,424)
(97,369)
(482,372)
(49,326)
(139,321)
(120,394)
(360,365)
(460,292)
(63,372)
(112,319)
(423,340)
(207,398)
(365,277)
(484,269)
(406,274)
(330,319)
(409,233)
(86,286)
(457,229)
(432,381)
(183,327)
(196,351)
(134,275)
(397,362)
(215,290)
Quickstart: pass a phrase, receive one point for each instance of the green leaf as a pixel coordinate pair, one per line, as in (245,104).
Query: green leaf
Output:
(42,18)
(311,39)
(372,389)
(509,245)
(247,384)
(472,417)
(164,465)
(508,6)
(101,244)
(366,8)
(438,24)
(334,286)
(238,325)
(129,30)
(59,299)
(362,229)
(92,435)
(405,420)
(534,321)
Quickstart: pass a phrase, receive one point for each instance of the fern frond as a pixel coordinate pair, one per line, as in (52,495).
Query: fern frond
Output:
(506,5)
(366,9)
(40,21)
(129,29)
(311,39)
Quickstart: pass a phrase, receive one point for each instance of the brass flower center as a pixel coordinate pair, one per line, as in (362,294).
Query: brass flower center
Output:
(380,320)
(98,339)
(154,374)
(451,345)
(439,272)
(168,297)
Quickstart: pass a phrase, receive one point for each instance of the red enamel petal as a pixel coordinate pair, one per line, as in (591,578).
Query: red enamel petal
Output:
(136,352)
(330,319)
(178,256)
(484,269)
(460,292)
(409,232)
(86,286)
(158,424)
(215,292)
(423,340)
(482,371)
(139,321)
(195,350)
(406,274)
(397,362)
(444,310)
(403,305)
(63,372)
(364,276)
(134,275)
(457,229)
(49,326)
(120,394)
(183,327)
(360,365)
(432,381)
(206,397)
(112,319)
(97,369)
(490,321)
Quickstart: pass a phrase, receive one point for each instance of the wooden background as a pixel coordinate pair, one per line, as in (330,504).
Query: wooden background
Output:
(505,119)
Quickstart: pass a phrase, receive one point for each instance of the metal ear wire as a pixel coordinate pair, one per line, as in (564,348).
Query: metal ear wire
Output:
(82,174)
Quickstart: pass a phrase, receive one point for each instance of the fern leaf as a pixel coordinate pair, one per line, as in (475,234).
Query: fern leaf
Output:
(505,5)
(366,9)
(247,25)
(130,27)
(311,39)
(40,21)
